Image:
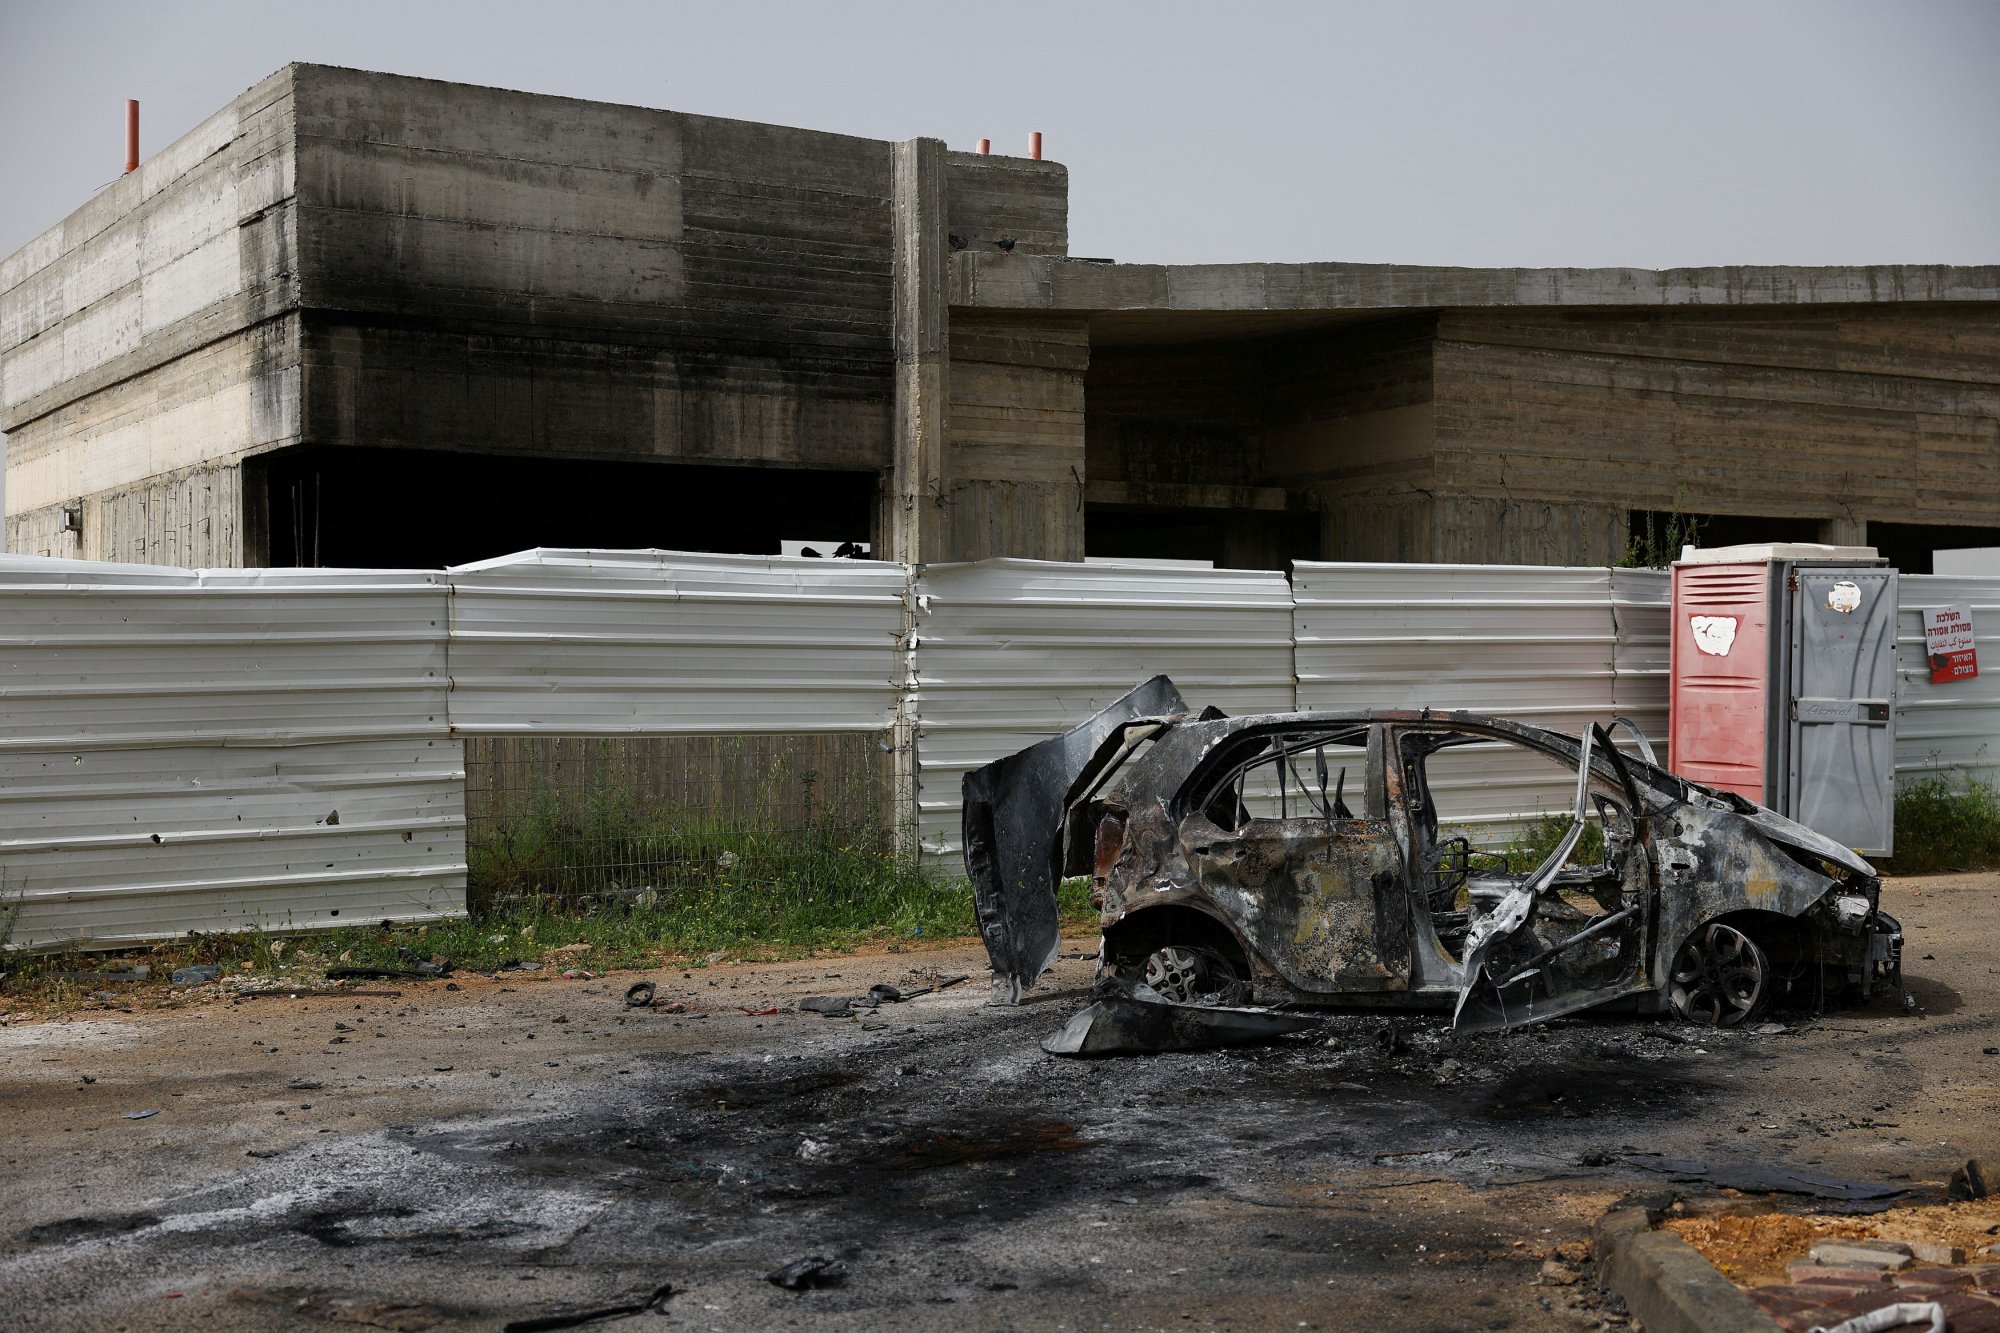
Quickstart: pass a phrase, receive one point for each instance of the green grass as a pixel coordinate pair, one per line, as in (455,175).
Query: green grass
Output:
(1944,825)
(1531,845)
(686,896)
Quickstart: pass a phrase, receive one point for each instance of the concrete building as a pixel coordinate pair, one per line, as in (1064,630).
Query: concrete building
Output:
(356,318)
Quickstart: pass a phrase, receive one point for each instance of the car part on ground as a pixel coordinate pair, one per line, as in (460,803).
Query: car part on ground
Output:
(1127,1017)
(1229,869)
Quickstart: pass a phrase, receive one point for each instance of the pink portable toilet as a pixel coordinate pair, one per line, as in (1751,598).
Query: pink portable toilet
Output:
(1783,674)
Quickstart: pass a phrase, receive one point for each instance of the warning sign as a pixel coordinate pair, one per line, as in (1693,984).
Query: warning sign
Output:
(1948,643)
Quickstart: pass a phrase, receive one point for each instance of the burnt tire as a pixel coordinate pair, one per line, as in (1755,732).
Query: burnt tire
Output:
(1721,977)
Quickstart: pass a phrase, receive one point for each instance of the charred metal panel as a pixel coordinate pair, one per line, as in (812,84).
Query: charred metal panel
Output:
(1323,900)
(1014,811)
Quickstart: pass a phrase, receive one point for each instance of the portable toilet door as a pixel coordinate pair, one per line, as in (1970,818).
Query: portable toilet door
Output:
(1719,703)
(1836,752)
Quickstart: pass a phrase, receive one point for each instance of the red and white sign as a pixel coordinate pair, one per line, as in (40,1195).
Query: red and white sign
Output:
(1948,643)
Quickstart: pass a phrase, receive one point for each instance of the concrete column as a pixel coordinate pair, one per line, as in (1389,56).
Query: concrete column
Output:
(916,497)
(1846,530)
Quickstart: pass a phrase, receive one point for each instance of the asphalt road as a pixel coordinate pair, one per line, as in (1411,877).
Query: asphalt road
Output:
(527,1146)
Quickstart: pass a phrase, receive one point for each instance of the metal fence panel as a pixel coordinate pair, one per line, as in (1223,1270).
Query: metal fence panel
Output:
(1009,652)
(223,750)
(607,643)
(137,655)
(1640,600)
(1533,643)
(1954,728)
(107,847)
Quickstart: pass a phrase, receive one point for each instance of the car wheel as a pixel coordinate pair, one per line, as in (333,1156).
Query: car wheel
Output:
(1184,974)
(1720,977)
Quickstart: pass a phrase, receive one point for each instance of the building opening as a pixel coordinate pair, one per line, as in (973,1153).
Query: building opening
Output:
(1656,536)
(422,509)
(1228,538)
(1909,546)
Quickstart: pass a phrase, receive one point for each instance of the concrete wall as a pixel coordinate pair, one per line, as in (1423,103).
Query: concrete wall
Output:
(1528,436)
(346,259)
(1832,414)
(1014,449)
(146,346)
(503,272)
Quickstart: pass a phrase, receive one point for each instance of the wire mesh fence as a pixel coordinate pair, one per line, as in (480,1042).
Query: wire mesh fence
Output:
(663,821)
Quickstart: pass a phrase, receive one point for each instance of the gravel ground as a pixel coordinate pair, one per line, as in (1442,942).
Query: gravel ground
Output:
(526,1145)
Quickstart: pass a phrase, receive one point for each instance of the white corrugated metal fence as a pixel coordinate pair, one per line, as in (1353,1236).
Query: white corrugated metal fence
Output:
(1009,652)
(218,750)
(223,750)
(1952,729)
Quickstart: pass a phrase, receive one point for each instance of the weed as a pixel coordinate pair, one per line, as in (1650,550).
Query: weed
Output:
(1942,825)
(1656,539)
(1532,844)
(10,914)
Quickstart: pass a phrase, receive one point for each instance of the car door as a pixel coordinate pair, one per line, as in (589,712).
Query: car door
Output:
(1316,886)
(1549,920)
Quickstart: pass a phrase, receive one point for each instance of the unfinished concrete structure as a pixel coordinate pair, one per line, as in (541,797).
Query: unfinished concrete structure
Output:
(357,318)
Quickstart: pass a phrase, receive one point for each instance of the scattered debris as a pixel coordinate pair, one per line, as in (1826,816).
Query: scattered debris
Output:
(362,972)
(308,993)
(198,974)
(578,974)
(1130,1017)
(842,1006)
(140,1115)
(136,972)
(759,1013)
(654,1304)
(1886,1255)
(640,995)
(1926,1315)
(1968,1183)
(808,1273)
(1556,1273)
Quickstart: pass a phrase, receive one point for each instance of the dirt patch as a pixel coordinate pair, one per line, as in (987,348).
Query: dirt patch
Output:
(1754,1250)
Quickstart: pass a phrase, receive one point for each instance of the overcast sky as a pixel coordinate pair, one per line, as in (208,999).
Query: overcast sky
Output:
(1656,135)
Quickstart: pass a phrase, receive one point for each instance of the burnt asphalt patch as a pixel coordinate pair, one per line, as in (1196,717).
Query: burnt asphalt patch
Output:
(933,1152)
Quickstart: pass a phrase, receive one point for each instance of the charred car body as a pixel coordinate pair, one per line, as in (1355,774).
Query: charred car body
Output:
(1313,859)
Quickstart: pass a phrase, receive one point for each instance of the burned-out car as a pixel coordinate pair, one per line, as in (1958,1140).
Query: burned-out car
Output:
(1319,859)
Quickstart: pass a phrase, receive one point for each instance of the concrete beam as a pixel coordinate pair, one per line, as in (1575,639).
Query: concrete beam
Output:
(1171,495)
(1019,281)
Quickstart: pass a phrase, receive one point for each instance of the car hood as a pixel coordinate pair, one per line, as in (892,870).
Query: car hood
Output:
(1790,833)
